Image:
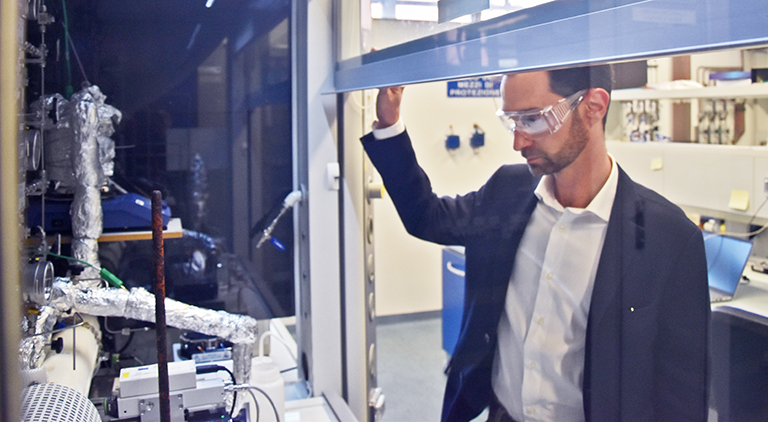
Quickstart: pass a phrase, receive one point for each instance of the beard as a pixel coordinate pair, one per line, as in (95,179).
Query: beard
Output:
(556,162)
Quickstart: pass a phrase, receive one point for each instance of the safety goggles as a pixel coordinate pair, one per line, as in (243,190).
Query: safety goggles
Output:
(540,123)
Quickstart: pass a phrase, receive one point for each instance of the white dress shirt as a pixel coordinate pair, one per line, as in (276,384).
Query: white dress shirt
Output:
(539,363)
(387,132)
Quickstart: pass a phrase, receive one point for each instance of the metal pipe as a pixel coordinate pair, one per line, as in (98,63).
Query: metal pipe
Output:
(160,328)
(10,297)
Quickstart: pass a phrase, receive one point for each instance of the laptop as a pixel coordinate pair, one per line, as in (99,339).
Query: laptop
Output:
(726,259)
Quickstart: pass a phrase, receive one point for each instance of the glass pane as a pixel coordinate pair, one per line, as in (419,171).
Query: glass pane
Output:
(690,127)
(420,18)
(204,92)
(555,34)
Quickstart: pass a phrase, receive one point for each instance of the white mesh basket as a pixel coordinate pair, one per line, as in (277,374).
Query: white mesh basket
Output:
(56,403)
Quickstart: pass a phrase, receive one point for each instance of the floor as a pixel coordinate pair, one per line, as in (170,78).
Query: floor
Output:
(410,366)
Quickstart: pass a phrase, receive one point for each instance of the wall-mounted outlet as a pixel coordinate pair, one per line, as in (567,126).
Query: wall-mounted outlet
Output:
(765,186)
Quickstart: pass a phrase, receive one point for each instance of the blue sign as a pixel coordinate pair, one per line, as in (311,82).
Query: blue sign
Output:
(475,88)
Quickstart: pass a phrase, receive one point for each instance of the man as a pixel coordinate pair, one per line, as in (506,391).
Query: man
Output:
(586,294)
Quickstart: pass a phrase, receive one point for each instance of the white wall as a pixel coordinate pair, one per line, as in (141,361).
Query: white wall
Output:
(408,270)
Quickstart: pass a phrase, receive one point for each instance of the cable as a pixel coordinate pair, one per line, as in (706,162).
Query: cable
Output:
(256,403)
(756,212)
(103,272)
(125,346)
(272,403)
(252,387)
(69,43)
(122,331)
(748,234)
(207,369)
(234,397)
(68,90)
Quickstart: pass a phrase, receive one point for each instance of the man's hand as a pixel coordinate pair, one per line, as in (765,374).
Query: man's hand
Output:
(388,106)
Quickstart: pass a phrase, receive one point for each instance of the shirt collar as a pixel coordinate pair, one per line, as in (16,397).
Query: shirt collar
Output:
(601,204)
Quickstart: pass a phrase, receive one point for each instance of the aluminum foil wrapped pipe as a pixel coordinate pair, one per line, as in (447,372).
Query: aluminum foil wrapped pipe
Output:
(86,204)
(241,361)
(139,304)
(32,350)
(60,134)
(107,155)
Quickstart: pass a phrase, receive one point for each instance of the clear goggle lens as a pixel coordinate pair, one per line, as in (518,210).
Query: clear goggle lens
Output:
(542,122)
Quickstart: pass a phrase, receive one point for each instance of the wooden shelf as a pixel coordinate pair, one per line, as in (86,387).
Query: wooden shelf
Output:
(756,90)
(173,231)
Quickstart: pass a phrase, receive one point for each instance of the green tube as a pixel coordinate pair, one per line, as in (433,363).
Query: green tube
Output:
(103,272)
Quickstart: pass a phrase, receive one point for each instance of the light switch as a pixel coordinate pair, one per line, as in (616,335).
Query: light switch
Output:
(332,174)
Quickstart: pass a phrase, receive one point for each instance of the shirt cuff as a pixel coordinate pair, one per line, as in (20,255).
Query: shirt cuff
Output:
(391,131)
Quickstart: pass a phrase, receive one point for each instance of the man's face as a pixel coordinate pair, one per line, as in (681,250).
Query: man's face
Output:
(553,153)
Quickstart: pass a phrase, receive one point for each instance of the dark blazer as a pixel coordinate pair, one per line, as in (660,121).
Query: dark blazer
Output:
(646,348)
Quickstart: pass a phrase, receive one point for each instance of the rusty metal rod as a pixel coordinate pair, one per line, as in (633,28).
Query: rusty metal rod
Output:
(158,259)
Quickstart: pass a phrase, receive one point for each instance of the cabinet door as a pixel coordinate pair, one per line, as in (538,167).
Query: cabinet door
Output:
(453,297)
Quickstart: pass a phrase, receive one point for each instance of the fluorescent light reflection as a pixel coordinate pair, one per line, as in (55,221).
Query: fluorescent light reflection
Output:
(377,11)
(426,10)
(412,12)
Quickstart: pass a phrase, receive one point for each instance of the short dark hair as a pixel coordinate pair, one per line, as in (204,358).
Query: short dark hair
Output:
(565,82)
(568,81)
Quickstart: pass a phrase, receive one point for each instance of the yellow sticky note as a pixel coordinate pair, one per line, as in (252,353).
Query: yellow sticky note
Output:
(657,164)
(739,200)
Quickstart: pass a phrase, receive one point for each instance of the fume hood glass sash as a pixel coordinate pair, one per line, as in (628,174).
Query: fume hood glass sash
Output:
(560,34)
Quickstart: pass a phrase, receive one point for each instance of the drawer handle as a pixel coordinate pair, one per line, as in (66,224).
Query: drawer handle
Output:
(454,270)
